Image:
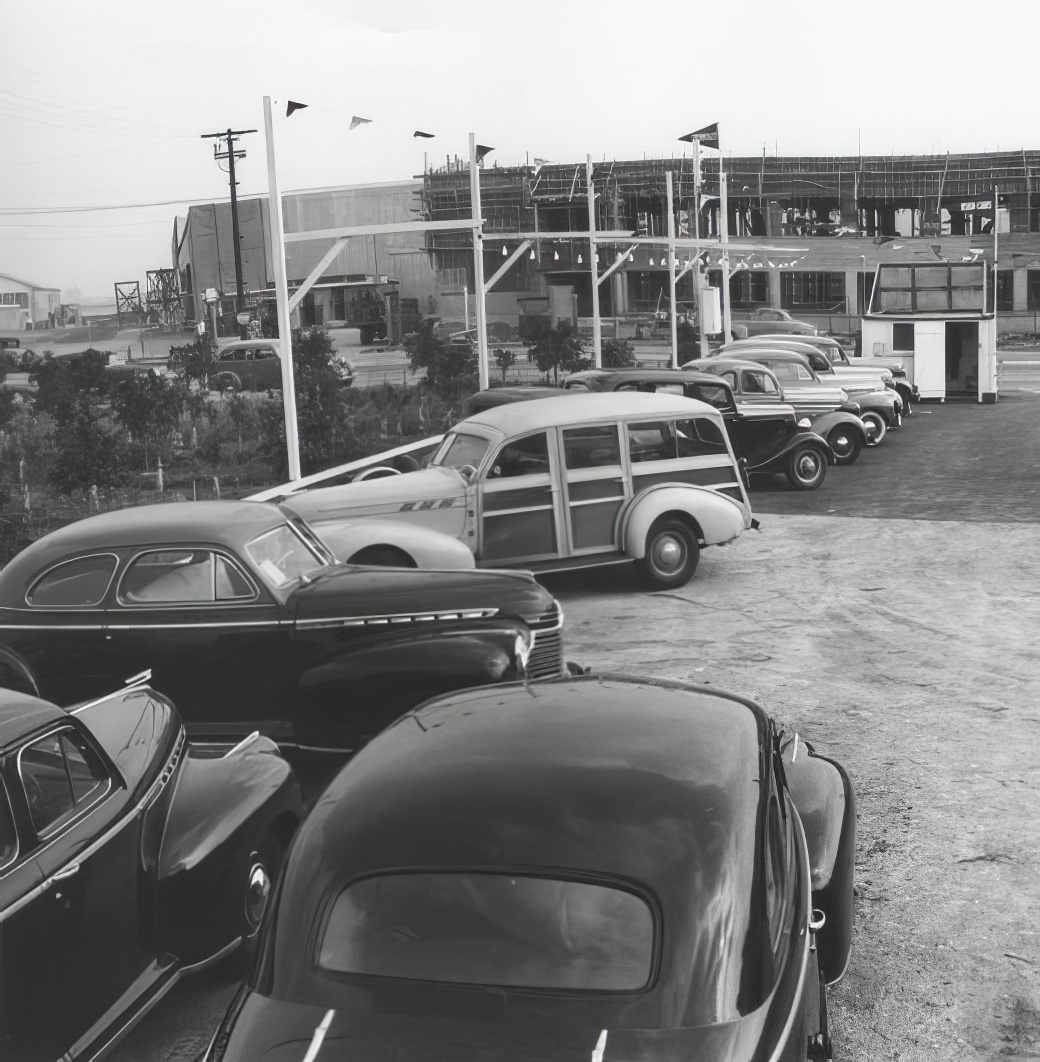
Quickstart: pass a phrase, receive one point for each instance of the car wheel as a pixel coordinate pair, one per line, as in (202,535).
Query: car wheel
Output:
(807,467)
(384,556)
(846,443)
(226,381)
(877,426)
(672,553)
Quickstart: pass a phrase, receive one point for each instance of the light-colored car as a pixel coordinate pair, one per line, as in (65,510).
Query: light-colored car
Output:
(566,482)
(767,319)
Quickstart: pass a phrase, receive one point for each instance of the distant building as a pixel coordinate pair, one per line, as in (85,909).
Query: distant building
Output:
(25,305)
(204,252)
(830,221)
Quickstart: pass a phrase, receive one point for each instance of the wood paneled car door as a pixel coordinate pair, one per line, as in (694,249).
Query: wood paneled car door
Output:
(519,503)
(596,486)
(72,946)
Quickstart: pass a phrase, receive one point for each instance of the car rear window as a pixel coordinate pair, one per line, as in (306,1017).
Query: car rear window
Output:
(491,929)
(75,584)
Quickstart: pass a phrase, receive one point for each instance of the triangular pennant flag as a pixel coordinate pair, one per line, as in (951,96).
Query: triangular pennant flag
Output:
(355,121)
(293,106)
(708,136)
(482,150)
(426,136)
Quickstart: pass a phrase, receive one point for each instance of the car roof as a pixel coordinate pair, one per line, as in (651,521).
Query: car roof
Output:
(528,763)
(227,523)
(765,350)
(740,363)
(21,714)
(543,413)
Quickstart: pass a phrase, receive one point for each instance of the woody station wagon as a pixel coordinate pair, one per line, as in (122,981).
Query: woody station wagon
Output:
(567,482)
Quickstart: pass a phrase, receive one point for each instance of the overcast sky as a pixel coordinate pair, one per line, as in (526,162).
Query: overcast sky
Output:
(102,104)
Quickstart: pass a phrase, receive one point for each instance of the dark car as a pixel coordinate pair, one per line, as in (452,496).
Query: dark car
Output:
(880,409)
(128,857)
(828,409)
(611,868)
(767,439)
(248,623)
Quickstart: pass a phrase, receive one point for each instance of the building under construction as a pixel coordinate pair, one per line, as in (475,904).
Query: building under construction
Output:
(824,224)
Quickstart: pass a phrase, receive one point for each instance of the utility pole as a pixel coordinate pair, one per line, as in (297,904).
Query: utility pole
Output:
(231,135)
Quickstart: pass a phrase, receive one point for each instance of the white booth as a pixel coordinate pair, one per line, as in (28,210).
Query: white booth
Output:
(936,320)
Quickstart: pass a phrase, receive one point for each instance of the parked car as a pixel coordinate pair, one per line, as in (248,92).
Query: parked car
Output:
(617,868)
(568,482)
(879,409)
(128,857)
(766,439)
(248,622)
(828,410)
(255,365)
(766,319)
(825,358)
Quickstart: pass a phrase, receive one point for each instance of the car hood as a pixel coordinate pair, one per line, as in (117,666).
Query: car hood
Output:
(346,591)
(381,495)
(271,1030)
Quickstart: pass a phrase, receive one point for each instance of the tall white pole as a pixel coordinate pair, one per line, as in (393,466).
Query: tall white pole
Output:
(281,287)
(727,317)
(698,276)
(671,271)
(597,327)
(478,266)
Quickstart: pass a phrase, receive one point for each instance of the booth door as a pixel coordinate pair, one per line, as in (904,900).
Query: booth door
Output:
(930,358)
(962,357)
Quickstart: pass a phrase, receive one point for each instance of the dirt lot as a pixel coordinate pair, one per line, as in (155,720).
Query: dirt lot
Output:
(892,619)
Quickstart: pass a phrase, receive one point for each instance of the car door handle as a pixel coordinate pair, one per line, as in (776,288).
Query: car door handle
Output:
(67,872)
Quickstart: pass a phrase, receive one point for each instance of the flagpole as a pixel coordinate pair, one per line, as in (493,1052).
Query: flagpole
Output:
(281,287)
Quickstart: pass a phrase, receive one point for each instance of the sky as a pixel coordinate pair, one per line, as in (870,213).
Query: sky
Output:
(103,105)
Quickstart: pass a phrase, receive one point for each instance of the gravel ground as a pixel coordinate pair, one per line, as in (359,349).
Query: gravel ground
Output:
(891,618)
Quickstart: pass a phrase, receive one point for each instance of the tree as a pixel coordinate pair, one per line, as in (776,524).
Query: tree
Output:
(149,407)
(558,349)
(69,383)
(90,453)
(196,361)
(505,359)
(617,354)
(451,366)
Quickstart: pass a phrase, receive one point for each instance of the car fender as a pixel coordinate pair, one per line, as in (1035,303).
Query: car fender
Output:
(346,697)
(826,804)
(223,808)
(825,423)
(424,547)
(716,518)
(778,460)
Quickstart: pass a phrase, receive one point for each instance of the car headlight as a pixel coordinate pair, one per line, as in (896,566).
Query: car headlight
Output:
(805,422)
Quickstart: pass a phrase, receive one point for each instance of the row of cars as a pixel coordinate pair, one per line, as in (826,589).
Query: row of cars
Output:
(518,859)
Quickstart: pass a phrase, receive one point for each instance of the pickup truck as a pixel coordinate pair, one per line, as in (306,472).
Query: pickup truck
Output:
(768,321)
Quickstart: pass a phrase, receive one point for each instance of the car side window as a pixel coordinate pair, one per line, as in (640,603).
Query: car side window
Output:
(759,383)
(75,584)
(61,775)
(527,456)
(183,576)
(788,370)
(591,446)
(699,436)
(651,441)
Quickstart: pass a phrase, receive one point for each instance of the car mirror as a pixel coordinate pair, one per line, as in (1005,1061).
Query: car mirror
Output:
(469,473)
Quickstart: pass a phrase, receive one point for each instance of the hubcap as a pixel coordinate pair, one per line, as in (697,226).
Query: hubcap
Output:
(258,889)
(842,444)
(808,466)
(668,554)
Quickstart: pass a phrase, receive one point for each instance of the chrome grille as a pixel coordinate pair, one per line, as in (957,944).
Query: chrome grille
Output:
(546,659)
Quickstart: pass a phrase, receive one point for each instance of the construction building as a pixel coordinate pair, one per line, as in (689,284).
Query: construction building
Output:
(828,222)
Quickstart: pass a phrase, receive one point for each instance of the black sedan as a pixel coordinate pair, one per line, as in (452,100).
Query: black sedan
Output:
(127,858)
(601,867)
(246,620)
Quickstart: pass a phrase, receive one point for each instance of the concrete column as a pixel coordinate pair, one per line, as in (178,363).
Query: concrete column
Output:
(774,288)
(1020,289)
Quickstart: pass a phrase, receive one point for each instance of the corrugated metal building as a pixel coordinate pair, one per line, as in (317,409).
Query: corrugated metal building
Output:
(26,305)
(205,255)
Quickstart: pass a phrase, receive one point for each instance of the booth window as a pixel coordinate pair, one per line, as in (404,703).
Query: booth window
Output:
(903,336)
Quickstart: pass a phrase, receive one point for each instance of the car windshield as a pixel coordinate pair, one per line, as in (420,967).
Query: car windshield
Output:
(460,448)
(491,929)
(282,557)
